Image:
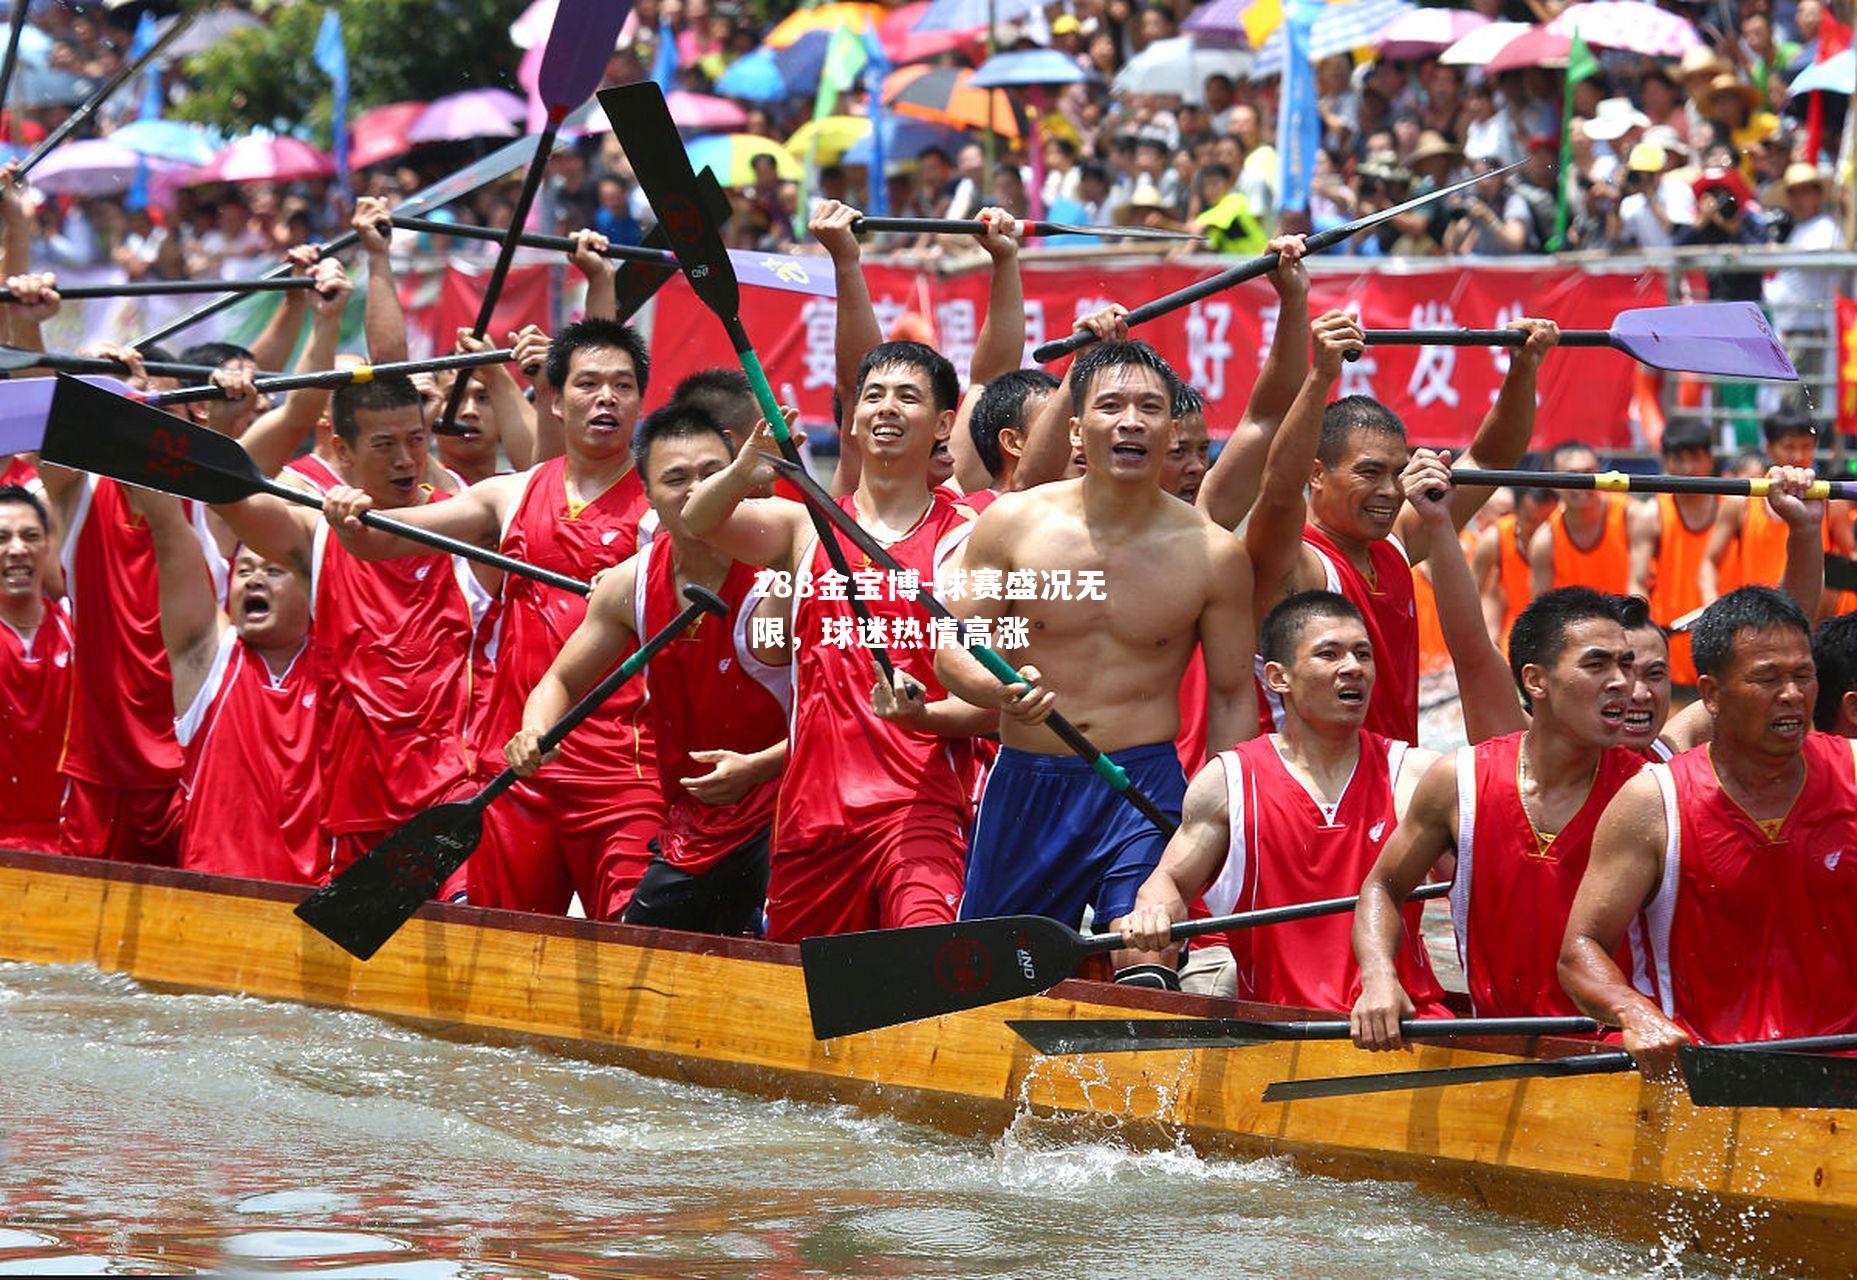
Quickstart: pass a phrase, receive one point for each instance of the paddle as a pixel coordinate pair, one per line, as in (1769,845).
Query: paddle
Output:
(451,187)
(1625,482)
(147,288)
(1756,1076)
(1840,572)
(88,428)
(772,270)
(642,123)
(14,359)
(1723,1092)
(367,903)
(973,227)
(579,44)
(1056,1036)
(102,94)
(1728,339)
(15,25)
(330,377)
(880,977)
(1258,266)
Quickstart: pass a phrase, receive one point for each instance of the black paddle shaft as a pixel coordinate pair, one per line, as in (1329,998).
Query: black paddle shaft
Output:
(153,288)
(1480,337)
(532,240)
(335,377)
(1184,929)
(15,359)
(1140,1035)
(973,227)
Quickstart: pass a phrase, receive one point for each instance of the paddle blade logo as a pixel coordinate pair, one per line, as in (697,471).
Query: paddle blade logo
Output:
(962,966)
(786,270)
(1022,947)
(169,457)
(683,222)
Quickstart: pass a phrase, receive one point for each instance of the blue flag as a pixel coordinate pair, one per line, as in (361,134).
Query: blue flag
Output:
(1299,119)
(332,56)
(664,62)
(149,108)
(876,71)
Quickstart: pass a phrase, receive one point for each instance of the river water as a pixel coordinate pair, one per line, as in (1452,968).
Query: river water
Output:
(150,1131)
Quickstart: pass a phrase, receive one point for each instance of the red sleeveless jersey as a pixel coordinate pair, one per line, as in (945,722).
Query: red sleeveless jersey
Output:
(1288,847)
(1513,891)
(545,529)
(20,472)
(253,802)
(707,692)
(392,651)
(846,767)
(314,470)
(1751,933)
(35,707)
(1190,742)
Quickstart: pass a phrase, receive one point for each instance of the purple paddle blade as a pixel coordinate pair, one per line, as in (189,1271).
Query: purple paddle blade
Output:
(1731,339)
(25,404)
(579,45)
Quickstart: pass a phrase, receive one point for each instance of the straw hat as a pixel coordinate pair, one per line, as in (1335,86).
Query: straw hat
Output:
(1801,174)
(1146,196)
(1701,61)
(1431,146)
(1727,86)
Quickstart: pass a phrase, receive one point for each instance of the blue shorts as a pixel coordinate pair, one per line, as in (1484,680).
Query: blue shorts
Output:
(1052,837)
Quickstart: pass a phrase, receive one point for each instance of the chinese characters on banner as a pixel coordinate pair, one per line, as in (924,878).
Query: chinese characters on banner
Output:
(1441,393)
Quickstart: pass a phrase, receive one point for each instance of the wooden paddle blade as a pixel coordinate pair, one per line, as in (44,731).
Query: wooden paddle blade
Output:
(366,904)
(1730,339)
(90,428)
(861,981)
(579,46)
(642,123)
(1059,1036)
(1752,1078)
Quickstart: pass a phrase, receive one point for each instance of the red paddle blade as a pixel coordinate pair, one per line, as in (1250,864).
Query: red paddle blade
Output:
(1730,339)
(579,46)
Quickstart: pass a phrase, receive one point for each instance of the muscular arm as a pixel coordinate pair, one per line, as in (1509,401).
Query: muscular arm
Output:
(1425,834)
(1485,688)
(1274,536)
(1228,638)
(1188,864)
(1486,570)
(969,472)
(1000,346)
(190,619)
(765,531)
(274,437)
(272,347)
(474,516)
(593,650)
(1644,528)
(275,529)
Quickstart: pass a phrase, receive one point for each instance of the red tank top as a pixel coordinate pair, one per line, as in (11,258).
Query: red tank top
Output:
(314,470)
(1750,935)
(35,707)
(614,745)
(1513,892)
(1190,742)
(253,803)
(20,472)
(392,651)
(877,770)
(704,695)
(1288,847)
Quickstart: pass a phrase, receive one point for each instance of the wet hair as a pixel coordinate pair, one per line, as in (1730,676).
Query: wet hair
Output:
(1284,624)
(1187,400)
(1712,636)
(392,392)
(1686,437)
(1002,405)
(1834,653)
(213,353)
(1540,632)
(944,386)
(1117,354)
(724,394)
(678,420)
(19,495)
(1634,614)
(1350,414)
(1786,423)
(593,333)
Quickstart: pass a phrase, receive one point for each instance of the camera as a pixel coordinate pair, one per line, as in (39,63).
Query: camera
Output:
(1726,206)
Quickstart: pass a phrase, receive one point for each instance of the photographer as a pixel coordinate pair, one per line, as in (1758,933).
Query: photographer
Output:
(1490,219)
(1654,209)
(1726,215)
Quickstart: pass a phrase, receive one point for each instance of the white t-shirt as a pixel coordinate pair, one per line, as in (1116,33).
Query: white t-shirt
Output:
(1795,287)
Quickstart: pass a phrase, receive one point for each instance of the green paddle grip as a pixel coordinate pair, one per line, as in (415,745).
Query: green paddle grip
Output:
(764,393)
(1111,772)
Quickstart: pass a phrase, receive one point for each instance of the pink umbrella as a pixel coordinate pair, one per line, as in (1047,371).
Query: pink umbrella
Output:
(1630,25)
(1483,44)
(95,167)
(380,134)
(1536,48)
(703,113)
(476,113)
(1427,31)
(899,38)
(262,158)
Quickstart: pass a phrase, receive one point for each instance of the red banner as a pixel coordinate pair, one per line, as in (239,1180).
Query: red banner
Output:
(527,298)
(1441,393)
(1847,365)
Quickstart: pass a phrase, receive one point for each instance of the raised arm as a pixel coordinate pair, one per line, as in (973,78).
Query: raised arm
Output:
(16,252)
(1541,559)
(191,622)
(531,347)
(1228,638)
(1188,864)
(273,438)
(858,330)
(596,646)
(474,516)
(1804,576)
(1644,526)
(765,531)
(1000,346)
(271,348)
(601,272)
(1047,436)
(385,322)
(515,416)
(1231,486)
(275,529)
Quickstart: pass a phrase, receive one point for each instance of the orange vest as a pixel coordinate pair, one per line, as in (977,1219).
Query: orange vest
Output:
(1677,589)
(1512,573)
(1606,565)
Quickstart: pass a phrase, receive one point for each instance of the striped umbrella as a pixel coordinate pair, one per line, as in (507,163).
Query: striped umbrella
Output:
(826,18)
(1427,31)
(730,156)
(1630,25)
(1344,25)
(946,95)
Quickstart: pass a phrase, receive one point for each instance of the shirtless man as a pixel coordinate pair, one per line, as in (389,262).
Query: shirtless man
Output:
(1150,579)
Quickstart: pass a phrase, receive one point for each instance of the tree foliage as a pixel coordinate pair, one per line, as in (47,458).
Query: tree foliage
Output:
(398,50)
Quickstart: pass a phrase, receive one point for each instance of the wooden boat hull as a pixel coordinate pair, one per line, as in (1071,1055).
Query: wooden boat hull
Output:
(1606,1153)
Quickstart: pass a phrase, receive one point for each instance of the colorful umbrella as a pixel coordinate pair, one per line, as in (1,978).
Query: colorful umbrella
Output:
(1339,29)
(95,167)
(1538,47)
(702,113)
(774,75)
(1217,24)
(1427,31)
(1836,74)
(902,43)
(1031,67)
(905,139)
(829,138)
(264,158)
(730,156)
(1477,48)
(380,134)
(826,18)
(1630,25)
(971,15)
(475,113)
(1179,65)
(168,140)
(947,95)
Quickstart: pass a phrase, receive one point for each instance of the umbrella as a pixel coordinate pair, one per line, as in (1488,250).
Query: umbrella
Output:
(475,113)
(538,20)
(168,140)
(207,30)
(774,75)
(1630,25)
(829,138)
(1836,74)
(1427,31)
(1537,48)
(902,43)
(94,167)
(265,158)
(905,139)
(49,87)
(826,18)
(730,156)
(1030,67)
(380,134)
(971,15)
(701,113)
(1338,29)
(1483,44)
(1179,66)
(946,95)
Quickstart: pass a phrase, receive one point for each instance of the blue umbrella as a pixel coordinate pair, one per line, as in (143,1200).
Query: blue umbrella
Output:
(774,75)
(1836,74)
(905,139)
(169,140)
(1030,67)
(966,15)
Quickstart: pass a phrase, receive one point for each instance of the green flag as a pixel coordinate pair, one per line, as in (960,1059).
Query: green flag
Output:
(1581,65)
(844,62)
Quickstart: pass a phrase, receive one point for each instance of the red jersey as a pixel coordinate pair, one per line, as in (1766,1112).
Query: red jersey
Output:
(1750,936)
(706,692)
(392,652)
(1288,846)
(314,470)
(253,802)
(1514,888)
(35,707)
(877,769)
(1190,742)
(979,500)
(21,472)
